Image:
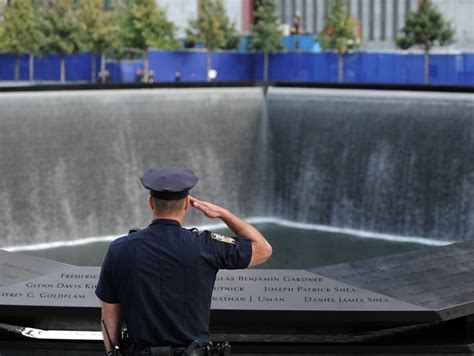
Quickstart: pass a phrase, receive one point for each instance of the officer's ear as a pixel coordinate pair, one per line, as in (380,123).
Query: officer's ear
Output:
(186,203)
(151,203)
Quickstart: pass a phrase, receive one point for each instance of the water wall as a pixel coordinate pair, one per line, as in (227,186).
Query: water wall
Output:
(389,162)
(70,161)
(393,162)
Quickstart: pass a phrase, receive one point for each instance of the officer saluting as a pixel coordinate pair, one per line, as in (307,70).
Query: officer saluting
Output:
(160,279)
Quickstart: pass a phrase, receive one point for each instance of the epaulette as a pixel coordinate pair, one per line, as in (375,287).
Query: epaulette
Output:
(222,238)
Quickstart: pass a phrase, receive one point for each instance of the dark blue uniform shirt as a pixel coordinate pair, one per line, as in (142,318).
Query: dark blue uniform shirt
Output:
(163,277)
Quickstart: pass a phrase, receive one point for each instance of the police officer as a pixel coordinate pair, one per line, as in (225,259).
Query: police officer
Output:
(159,280)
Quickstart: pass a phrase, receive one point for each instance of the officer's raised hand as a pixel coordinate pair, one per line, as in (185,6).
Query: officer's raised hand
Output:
(210,210)
(261,249)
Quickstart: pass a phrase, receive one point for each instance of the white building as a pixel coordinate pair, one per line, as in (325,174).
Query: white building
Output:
(461,15)
(381,20)
(181,11)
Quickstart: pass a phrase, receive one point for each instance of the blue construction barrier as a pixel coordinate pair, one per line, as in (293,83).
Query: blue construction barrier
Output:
(377,68)
(303,67)
(124,71)
(380,68)
(47,68)
(452,69)
(190,65)
(78,67)
(7,67)
(234,66)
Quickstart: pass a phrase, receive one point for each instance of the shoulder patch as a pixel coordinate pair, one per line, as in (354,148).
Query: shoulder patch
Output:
(222,238)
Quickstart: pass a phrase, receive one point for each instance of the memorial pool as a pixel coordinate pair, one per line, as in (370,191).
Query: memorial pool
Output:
(293,248)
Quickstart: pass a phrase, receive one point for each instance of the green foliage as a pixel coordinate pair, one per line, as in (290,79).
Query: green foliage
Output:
(339,30)
(19,30)
(99,28)
(212,27)
(231,35)
(61,29)
(266,35)
(426,28)
(144,25)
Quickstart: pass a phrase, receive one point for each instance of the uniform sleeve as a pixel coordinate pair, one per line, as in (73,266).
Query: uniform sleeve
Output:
(225,252)
(105,291)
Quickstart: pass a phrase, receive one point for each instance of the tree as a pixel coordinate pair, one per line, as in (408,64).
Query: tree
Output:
(339,34)
(99,31)
(266,35)
(426,27)
(231,35)
(145,25)
(213,29)
(19,32)
(61,30)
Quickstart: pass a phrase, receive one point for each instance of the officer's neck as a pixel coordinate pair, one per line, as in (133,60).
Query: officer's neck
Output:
(176,217)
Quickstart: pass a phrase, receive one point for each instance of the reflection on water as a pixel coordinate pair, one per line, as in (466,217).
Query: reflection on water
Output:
(293,248)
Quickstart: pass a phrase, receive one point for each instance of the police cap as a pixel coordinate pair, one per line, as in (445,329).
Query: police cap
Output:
(169,183)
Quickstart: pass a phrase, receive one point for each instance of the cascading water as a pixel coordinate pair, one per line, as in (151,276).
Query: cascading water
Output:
(387,162)
(70,161)
(394,162)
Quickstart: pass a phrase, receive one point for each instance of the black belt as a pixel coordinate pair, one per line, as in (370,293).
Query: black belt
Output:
(170,351)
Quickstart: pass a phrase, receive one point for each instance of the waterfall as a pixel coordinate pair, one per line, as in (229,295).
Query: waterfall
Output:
(389,162)
(393,162)
(70,161)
